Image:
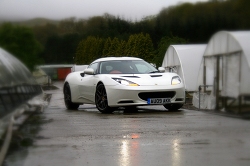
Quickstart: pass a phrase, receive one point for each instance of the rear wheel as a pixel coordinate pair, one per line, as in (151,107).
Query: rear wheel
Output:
(173,107)
(67,98)
(101,100)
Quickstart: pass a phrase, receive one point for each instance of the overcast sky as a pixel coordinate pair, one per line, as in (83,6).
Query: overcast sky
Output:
(60,9)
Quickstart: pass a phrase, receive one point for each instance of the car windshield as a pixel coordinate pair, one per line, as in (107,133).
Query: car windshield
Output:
(126,67)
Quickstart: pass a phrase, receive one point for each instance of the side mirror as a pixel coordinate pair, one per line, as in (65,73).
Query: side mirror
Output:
(161,69)
(89,71)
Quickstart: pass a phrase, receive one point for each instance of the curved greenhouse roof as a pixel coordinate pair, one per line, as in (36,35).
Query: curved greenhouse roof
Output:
(12,71)
(225,42)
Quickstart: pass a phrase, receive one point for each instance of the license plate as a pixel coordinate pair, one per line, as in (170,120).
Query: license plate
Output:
(158,100)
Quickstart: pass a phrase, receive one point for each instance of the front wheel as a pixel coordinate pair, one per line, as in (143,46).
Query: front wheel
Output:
(67,98)
(101,100)
(173,107)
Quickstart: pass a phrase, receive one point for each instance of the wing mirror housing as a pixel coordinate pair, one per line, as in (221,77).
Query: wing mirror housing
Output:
(89,71)
(161,69)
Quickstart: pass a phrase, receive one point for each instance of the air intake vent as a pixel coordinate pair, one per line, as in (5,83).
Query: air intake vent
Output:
(126,101)
(146,95)
(156,75)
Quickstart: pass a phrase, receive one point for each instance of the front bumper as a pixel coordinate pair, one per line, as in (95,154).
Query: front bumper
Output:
(121,95)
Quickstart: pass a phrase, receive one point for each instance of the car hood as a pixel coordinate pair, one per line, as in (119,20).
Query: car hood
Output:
(148,79)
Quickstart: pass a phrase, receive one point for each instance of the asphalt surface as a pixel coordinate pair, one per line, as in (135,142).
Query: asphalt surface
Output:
(150,137)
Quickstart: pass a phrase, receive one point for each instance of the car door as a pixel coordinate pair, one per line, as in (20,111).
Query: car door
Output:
(87,85)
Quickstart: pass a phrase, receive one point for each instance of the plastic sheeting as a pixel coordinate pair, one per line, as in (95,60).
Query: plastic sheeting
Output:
(17,85)
(185,60)
(203,100)
(234,52)
(12,71)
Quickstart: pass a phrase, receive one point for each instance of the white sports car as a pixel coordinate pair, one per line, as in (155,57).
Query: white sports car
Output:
(114,82)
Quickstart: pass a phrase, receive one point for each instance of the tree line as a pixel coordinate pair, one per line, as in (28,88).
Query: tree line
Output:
(82,40)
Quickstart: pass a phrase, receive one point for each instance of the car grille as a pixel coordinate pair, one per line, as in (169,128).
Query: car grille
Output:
(146,95)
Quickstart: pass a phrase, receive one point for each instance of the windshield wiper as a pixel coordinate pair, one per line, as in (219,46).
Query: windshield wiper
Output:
(154,71)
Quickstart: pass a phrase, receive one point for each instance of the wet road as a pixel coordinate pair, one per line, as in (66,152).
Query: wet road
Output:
(151,137)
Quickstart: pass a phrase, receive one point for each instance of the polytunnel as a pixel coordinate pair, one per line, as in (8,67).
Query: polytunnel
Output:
(226,68)
(18,92)
(185,60)
(17,84)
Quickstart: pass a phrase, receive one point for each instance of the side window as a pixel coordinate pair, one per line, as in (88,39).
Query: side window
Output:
(93,66)
(105,67)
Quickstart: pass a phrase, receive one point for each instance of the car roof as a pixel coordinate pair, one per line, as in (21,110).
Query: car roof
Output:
(116,58)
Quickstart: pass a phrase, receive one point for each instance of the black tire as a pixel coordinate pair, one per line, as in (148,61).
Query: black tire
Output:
(101,100)
(173,107)
(67,98)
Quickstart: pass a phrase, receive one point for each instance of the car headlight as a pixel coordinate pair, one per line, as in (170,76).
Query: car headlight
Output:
(175,80)
(125,82)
